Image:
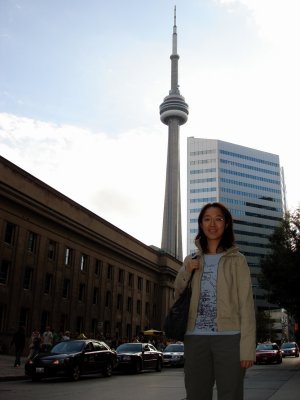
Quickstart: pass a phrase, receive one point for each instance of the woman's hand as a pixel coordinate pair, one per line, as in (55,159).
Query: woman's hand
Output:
(246,363)
(192,264)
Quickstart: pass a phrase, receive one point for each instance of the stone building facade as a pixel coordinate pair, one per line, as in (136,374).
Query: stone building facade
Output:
(62,265)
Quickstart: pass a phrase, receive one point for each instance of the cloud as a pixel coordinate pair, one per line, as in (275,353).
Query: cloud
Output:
(277,20)
(120,178)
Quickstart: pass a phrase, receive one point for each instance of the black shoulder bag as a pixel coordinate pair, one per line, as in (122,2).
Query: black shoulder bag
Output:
(176,320)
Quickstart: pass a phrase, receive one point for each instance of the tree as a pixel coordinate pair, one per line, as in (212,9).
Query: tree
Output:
(281,267)
(264,326)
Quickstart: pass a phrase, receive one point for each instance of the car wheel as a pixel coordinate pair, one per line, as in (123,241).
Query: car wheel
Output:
(108,370)
(75,373)
(159,365)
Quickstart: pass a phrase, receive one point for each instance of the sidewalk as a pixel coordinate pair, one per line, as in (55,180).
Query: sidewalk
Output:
(290,390)
(7,369)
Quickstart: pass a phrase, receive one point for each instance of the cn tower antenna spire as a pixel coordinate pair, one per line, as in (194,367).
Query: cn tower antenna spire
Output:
(174,34)
(173,112)
(174,59)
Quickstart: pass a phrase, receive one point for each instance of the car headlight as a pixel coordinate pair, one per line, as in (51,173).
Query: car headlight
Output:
(56,362)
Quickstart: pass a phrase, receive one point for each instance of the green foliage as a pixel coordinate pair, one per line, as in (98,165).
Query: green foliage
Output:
(281,267)
(264,327)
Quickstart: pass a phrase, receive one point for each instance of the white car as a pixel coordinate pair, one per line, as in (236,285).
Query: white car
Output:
(174,355)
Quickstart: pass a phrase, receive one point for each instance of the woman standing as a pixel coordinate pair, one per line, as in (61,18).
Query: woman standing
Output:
(220,340)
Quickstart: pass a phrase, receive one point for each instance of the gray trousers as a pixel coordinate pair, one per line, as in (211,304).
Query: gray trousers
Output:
(210,360)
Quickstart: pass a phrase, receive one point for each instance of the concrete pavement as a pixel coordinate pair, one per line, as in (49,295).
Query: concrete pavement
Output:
(7,369)
(290,390)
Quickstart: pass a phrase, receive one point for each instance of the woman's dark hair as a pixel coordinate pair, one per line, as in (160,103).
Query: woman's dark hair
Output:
(227,239)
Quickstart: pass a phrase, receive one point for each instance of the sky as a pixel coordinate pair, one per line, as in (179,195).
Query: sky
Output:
(81,84)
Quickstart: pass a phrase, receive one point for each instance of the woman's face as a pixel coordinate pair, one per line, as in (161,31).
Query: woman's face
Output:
(213,223)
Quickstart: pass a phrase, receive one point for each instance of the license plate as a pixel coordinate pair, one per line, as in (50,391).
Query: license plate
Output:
(39,370)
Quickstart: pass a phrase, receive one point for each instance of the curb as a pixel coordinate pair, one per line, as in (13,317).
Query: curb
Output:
(13,378)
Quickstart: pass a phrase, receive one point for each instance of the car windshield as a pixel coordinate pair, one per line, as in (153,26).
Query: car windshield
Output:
(174,348)
(67,347)
(130,347)
(265,346)
(287,345)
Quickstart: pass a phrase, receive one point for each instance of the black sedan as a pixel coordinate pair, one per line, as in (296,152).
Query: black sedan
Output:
(135,357)
(73,358)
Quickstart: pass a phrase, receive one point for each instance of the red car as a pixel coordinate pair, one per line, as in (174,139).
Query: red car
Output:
(268,353)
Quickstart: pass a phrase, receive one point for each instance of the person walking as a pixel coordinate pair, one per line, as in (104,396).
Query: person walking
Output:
(47,339)
(220,340)
(18,341)
(35,344)
(66,335)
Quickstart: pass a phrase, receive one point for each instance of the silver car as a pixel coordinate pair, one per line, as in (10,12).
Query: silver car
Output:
(174,355)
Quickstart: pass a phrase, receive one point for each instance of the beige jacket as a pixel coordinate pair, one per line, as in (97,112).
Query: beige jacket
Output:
(235,306)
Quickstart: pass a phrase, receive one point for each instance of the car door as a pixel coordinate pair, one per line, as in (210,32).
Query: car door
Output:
(146,356)
(89,359)
(150,356)
(154,355)
(101,355)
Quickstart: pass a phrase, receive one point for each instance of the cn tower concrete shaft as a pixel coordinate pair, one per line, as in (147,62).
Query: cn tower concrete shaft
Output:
(173,112)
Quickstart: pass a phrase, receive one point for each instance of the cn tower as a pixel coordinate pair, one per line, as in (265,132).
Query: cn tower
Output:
(173,112)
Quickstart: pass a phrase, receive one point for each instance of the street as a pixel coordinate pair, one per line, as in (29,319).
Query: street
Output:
(262,382)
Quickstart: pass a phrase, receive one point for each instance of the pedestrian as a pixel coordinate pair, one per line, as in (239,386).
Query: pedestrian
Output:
(220,340)
(18,340)
(56,337)
(35,343)
(47,339)
(81,336)
(66,336)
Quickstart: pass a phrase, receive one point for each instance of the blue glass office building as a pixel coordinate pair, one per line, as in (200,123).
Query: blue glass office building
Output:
(249,182)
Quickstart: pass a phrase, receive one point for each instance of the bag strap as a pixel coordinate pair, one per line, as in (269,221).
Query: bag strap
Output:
(191,277)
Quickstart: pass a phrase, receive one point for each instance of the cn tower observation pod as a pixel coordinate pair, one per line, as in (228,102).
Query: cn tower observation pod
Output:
(174,106)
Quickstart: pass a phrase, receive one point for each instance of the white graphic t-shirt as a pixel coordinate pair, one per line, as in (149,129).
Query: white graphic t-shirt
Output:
(207,307)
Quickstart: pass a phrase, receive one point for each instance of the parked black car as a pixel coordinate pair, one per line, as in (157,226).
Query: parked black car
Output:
(174,355)
(73,358)
(135,357)
(290,349)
